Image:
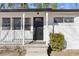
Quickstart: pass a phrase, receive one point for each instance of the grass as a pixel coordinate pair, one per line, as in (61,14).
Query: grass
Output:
(66,53)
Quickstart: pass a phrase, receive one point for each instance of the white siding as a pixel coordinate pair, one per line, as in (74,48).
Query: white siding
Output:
(70,30)
(17,34)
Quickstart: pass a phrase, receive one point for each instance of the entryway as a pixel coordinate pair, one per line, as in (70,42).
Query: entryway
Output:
(38,28)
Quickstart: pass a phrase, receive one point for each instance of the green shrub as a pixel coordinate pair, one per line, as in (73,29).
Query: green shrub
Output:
(56,41)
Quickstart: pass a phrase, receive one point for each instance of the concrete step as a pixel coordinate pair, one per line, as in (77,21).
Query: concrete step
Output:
(35,42)
(37,52)
(20,41)
(36,46)
(36,49)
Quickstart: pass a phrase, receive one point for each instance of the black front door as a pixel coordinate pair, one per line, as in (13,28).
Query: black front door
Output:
(38,28)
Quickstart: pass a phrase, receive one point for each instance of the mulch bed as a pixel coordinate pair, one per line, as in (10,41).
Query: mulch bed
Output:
(17,51)
(66,53)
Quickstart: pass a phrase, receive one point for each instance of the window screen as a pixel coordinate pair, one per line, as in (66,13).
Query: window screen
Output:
(16,23)
(5,23)
(58,20)
(68,19)
(27,23)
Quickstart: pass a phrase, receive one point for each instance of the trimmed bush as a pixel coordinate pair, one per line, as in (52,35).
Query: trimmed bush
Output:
(56,41)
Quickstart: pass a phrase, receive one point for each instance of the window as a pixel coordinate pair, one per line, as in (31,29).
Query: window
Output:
(16,23)
(69,19)
(58,20)
(5,23)
(27,23)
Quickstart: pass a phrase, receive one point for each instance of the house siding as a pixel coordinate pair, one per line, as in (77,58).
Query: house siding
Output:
(11,35)
(69,30)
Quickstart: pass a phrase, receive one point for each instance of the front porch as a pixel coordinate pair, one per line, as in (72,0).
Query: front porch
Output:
(27,30)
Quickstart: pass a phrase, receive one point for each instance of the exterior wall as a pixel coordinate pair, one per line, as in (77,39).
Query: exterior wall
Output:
(69,30)
(11,35)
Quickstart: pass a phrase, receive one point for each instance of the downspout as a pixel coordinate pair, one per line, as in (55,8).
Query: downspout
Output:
(23,27)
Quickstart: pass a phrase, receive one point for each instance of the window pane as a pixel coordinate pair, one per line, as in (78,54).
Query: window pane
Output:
(69,19)
(58,20)
(17,23)
(27,23)
(5,23)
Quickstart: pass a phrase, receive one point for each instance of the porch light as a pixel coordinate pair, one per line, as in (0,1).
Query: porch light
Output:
(37,13)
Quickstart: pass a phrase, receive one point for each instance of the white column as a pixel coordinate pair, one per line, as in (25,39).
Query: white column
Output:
(47,35)
(11,29)
(23,27)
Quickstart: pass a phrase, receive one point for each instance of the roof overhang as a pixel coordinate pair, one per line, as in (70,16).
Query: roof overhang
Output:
(39,10)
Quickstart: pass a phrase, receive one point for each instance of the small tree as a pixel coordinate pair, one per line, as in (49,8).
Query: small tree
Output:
(45,5)
(2,5)
(38,5)
(53,5)
(23,5)
(10,5)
